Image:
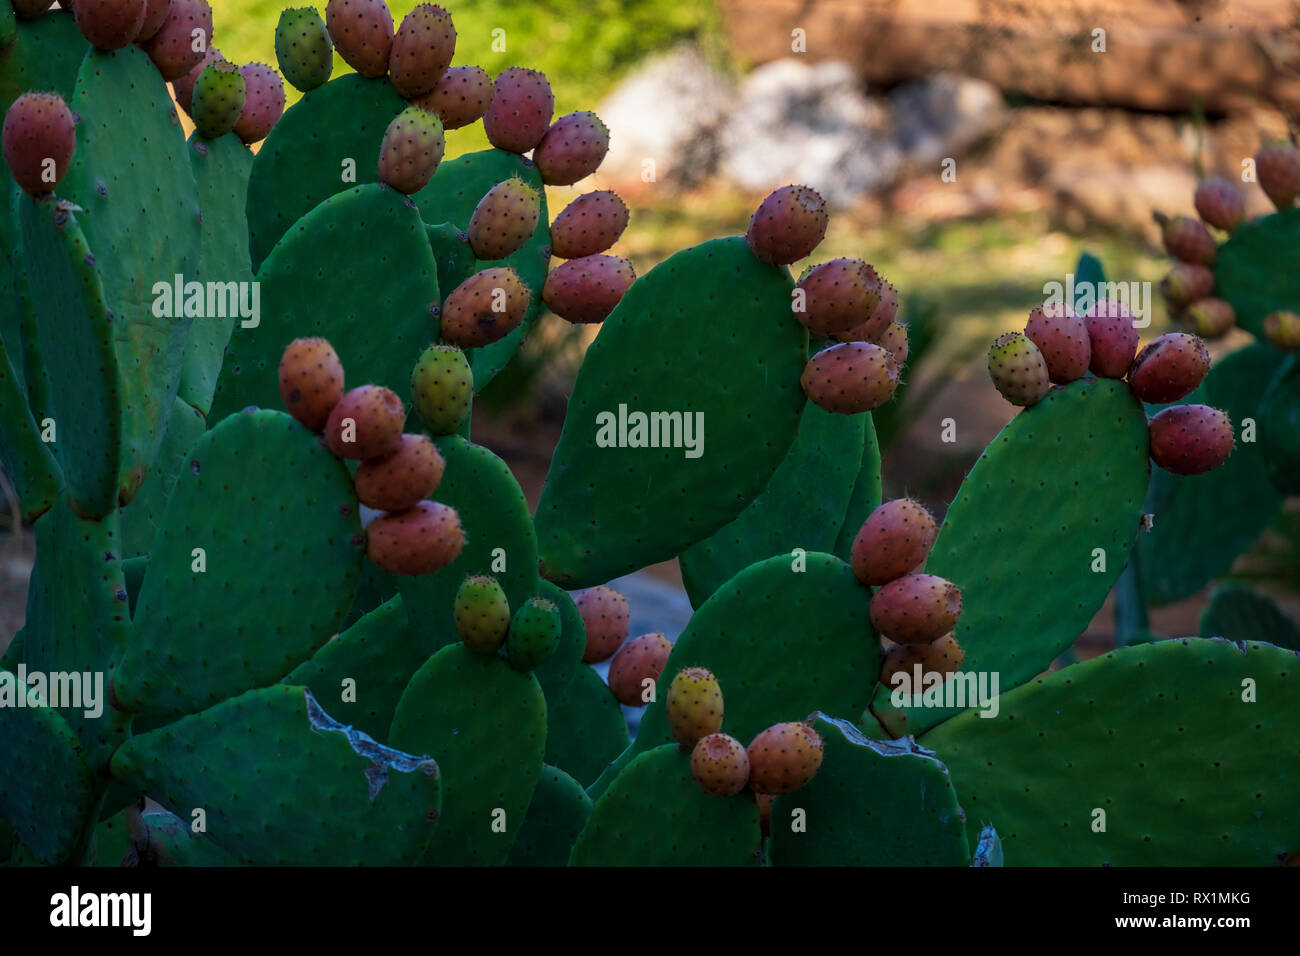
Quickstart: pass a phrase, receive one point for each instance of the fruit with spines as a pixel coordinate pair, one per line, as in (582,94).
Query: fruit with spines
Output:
(1185,283)
(788,225)
(720,765)
(1190,439)
(362,31)
(1282,330)
(420,540)
(1220,203)
(411,150)
(482,613)
(442,385)
(303,48)
(1210,318)
(840,295)
(1113,338)
(636,667)
(589,225)
(1062,338)
(485,308)
(572,148)
(155,15)
(941,657)
(693,705)
(605,616)
(520,111)
(504,219)
(311,381)
(892,542)
(365,423)
(1169,368)
(784,757)
(1186,238)
(916,608)
(882,316)
(183,86)
(461,97)
(586,290)
(407,474)
(1018,369)
(109,24)
(534,634)
(218,100)
(421,50)
(894,341)
(39,138)
(851,377)
(172,48)
(1277,167)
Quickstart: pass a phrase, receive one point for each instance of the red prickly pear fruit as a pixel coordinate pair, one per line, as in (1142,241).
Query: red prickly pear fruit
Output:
(443,387)
(788,225)
(155,15)
(764,801)
(605,616)
(589,225)
(461,96)
(485,308)
(396,481)
(504,219)
(1169,367)
(693,705)
(411,151)
(1277,166)
(218,100)
(39,138)
(263,103)
(31,9)
(183,86)
(534,634)
(520,111)
(311,381)
(572,149)
(365,423)
(893,541)
(1185,283)
(362,31)
(1220,203)
(784,758)
(640,660)
(1113,338)
(586,290)
(876,325)
(850,377)
(1210,318)
(1018,369)
(835,297)
(916,609)
(720,765)
(422,51)
(1187,239)
(894,341)
(420,540)
(172,48)
(482,613)
(1062,338)
(109,24)
(1282,330)
(941,657)
(1190,439)
(303,48)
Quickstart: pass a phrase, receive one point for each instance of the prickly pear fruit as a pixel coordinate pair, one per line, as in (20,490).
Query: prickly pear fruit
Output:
(263,103)
(589,225)
(784,758)
(482,613)
(1190,439)
(155,15)
(788,225)
(1169,367)
(422,51)
(572,149)
(604,614)
(1018,369)
(1062,338)
(461,96)
(693,705)
(485,307)
(365,423)
(894,341)
(31,9)
(419,540)
(1210,318)
(303,48)
(850,377)
(172,48)
(520,111)
(183,86)
(892,542)
(586,290)
(916,609)
(1282,329)
(534,634)
(1187,239)
(942,657)
(882,316)
(109,24)
(407,474)
(1113,338)
(836,296)
(720,765)
(1185,283)
(504,219)
(362,31)
(443,386)
(1277,166)
(218,100)
(412,149)
(1220,203)
(311,381)
(39,138)
(640,660)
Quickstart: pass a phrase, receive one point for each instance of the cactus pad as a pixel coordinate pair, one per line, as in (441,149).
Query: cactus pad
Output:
(1240,614)
(1254,269)
(1279,428)
(559,811)
(867,492)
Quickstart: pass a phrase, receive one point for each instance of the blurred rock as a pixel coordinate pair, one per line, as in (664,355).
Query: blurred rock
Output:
(943,116)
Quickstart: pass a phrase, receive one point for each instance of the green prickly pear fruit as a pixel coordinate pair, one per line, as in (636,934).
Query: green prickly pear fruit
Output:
(784,757)
(1190,439)
(534,634)
(1186,282)
(1277,166)
(788,225)
(838,296)
(365,423)
(572,148)
(604,615)
(1169,367)
(850,377)
(894,541)
(894,341)
(311,381)
(1210,318)
(1062,338)
(916,608)
(1282,329)
(1113,337)
(396,481)
(303,48)
(362,31)
(38,139)
(183,86)
(485,308)
(520,110)
(422,51)
(1187,239)
(263,103)
(411,151)
(218,100)
(482,613)
(419,540)
(636,668)
(504,219)
(1018,369)
(109,24)
(155,15)
(172,48)
(1220,203)
(461,97)
(443,386)
(693,705)
(587,290)
(589,225)
(942,657)
(720,765)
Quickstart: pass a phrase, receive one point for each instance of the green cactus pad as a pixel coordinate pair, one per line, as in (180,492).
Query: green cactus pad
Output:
(871,804)
(259,492)
(867,493)
(1239,614)
(14,652)
(559,811)
(455,258)
(176,844)
(379,654)
(112,842)
(129,146)
(1255,269)
(300,789)
(28,461)
(486,725)
(74,332)
(655,814)
(366,254)
(708,332)
(1160,738)
(494,514)
(302,162)
(1279,428)
(803,506)
(140,518)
